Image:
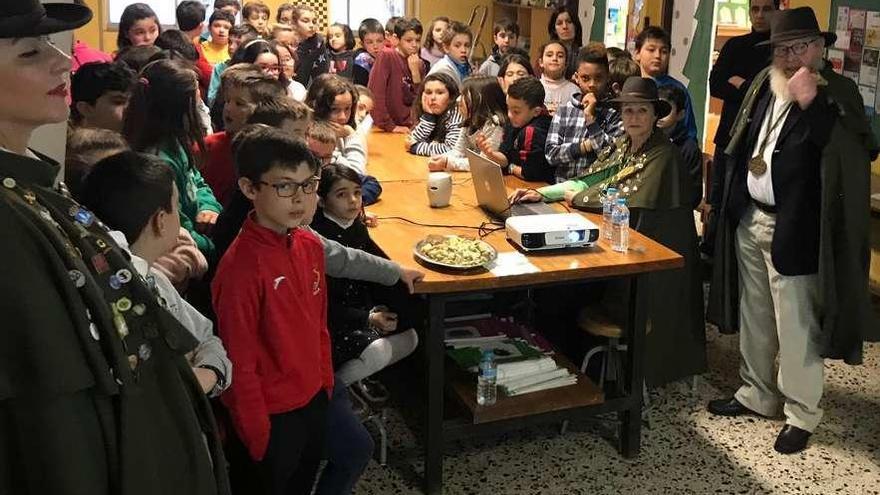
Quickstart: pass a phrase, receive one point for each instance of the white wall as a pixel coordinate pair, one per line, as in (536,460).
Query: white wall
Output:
(683,27)
(586,13)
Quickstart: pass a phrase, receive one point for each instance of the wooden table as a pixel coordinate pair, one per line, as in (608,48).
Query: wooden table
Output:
(404,196)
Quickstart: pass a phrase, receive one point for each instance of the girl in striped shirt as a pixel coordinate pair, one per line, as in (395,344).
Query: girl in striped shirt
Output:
(439,124)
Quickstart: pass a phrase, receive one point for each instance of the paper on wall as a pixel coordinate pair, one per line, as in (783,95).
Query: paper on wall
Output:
(835,56)
(842,18)
(868,72)
(872,29)
(857,18)
(842,40)
(852,60)
(869,97)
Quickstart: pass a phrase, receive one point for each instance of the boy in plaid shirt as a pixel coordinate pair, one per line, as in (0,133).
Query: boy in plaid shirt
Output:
(583,126)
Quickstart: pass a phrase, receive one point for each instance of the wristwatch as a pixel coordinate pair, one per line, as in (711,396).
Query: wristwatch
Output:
(221,378)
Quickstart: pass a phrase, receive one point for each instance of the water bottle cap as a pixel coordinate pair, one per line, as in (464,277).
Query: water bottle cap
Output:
(611,190)
(621,201)
(488,353)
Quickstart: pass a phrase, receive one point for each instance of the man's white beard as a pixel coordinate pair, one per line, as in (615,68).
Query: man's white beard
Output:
(779,84)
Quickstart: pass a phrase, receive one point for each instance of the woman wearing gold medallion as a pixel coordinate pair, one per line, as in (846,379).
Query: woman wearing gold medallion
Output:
(646,169)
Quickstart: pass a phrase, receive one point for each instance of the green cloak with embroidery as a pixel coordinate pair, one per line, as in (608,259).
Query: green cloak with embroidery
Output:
(657,187)
(96,394)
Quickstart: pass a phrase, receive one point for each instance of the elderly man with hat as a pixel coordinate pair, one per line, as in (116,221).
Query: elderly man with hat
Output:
(96,395)
(791,256)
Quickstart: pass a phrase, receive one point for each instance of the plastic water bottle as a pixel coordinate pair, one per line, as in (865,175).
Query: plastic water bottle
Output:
(486,388)
(620,227)
(608,205)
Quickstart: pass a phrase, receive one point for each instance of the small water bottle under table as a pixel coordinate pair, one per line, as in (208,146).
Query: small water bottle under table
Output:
(620,227)
(608,205)
(486,387)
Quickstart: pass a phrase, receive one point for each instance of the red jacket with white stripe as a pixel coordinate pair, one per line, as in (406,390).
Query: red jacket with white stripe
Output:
(271,302)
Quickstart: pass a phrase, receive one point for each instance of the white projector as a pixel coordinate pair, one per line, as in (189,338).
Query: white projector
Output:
(554,231)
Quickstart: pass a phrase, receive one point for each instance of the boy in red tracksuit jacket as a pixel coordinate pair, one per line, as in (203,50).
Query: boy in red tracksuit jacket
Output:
(522,150)
(270,298)
(395,78)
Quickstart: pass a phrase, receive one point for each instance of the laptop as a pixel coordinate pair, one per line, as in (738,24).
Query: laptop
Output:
(492,193)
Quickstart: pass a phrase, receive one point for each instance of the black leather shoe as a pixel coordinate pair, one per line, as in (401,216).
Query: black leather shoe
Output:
(791,440)
(728,407)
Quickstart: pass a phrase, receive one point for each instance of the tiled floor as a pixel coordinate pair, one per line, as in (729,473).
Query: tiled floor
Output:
(686,450)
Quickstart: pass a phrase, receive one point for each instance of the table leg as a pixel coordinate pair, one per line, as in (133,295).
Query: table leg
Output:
(434,389)
(631,417)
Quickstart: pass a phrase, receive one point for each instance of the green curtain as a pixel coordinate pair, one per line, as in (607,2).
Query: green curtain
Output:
(696,68)
(597,31)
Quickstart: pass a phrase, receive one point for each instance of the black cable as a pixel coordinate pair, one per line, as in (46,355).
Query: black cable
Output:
(485,228)
(470,227)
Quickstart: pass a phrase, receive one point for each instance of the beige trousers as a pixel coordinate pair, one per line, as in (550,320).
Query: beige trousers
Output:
(778,317)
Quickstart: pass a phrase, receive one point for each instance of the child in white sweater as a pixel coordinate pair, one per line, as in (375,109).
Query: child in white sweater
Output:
(483,107)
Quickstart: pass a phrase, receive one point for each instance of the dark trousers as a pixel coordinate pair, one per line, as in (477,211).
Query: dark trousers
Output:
(348,443)
(296,442)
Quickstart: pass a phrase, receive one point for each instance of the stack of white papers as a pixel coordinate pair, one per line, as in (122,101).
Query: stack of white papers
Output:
(533,375)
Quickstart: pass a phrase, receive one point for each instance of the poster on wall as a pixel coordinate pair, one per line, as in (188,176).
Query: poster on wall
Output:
(869,96)
(842,40)
(835,56)
(868,71)
(842,19)
(852,61)
(857,19)
(872,29)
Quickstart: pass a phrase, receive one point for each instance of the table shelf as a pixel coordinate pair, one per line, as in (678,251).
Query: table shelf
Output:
(462,386)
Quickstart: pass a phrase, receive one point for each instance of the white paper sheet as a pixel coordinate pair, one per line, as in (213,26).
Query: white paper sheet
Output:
(512,263)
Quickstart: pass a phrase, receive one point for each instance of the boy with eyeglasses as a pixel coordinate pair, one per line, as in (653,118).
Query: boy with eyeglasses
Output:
(583,126)
(270,297)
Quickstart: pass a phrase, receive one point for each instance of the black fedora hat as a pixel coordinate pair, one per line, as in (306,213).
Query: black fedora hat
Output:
(641,90)
(24,18)
(793,24)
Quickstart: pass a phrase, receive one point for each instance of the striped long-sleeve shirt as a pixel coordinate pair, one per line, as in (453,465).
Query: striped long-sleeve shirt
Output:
(569,129)
(429,140)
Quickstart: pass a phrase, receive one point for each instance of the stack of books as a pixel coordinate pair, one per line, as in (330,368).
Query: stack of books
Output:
(525,362)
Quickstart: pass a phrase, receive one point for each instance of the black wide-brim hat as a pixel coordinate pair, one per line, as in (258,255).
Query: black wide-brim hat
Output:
(25,18)
(793,24)
(641,90)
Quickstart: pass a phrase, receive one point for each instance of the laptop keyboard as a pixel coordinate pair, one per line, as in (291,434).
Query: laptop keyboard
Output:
(522,209)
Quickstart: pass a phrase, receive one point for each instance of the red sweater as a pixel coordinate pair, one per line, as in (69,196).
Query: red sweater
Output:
(219,169)
(271,302)
(205,70)
(392,85)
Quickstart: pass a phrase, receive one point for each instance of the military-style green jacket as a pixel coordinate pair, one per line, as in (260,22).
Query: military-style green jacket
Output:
(96,396)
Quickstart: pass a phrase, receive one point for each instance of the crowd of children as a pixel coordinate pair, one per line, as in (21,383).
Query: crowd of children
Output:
(232,159)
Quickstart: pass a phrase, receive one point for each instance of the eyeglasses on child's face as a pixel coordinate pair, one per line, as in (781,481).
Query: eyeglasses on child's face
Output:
(288,188)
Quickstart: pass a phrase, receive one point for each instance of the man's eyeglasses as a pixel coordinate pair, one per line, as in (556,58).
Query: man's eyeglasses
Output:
(288,189)
(782,51)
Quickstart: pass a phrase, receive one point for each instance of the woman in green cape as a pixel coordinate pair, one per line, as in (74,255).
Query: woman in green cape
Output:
(647,170)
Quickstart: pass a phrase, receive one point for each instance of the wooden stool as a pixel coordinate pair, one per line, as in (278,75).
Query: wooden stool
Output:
(594,321)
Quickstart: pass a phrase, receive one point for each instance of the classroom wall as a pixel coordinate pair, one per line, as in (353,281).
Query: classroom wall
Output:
(459,10)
